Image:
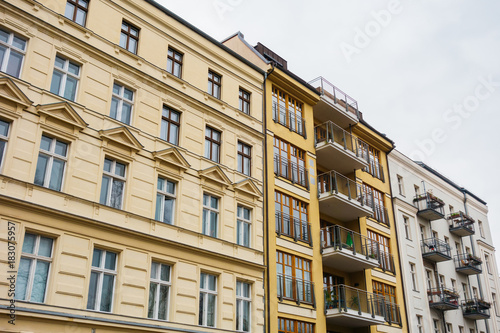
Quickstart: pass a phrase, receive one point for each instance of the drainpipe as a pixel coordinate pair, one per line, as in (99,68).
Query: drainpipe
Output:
(472,245)
(266,204)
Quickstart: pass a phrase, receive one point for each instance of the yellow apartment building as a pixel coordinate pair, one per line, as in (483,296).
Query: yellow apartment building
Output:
(131,173)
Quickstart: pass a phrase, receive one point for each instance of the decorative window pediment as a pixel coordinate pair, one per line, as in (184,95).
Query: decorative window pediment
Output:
(248,186)
(215,174)
(120,137)
(11,97)
(173,157)
(61,112)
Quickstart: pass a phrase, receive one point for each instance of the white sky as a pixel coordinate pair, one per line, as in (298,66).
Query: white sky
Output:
(420,64)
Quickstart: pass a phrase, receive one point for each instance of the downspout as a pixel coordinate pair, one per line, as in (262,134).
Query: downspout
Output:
(266,204)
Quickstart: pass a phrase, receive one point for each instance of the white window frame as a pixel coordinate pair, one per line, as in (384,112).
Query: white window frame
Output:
(208,221)
(111,174)
(461,329)
(480,225)
(240,300)
(101,271)
(11,48)
(436,326)
(487,262)
(406,224)
(413,276)
(207,291)
(35,257)
(164,194)
(4,139)
(120,97)
(53,156)
(420,328)
(241,221)
(494,301)
(65,73)
(401,187)
(449,328)
(159,282)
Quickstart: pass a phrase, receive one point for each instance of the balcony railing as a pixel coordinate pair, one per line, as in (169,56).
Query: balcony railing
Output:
(380,214)
(435,249)
(375,169)
(476,308)
(288,119)
(392,313)
(429,206)
(300,291)
(346,103)
(443,298)
(467,264)
(347,299)
(339,238)
(334,182)
(461,224)
(386,261)
(293,227)
(290,170)
(330,132)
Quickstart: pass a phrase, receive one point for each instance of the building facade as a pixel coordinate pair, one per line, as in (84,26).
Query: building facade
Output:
(451,278)
(131,173)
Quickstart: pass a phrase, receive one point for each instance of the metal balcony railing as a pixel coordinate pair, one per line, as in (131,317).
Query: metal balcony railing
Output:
(343,298)
(300,291)
(430,205)
(339,238)
(467,261)
(443,298)
(392,313)
(288,119)
(386,261)
(348,104)
(333,182)
(293,227)
(285,168)
(461,223)
(433,245)
(375,169)
(330,132)
(476,308)
(380,214)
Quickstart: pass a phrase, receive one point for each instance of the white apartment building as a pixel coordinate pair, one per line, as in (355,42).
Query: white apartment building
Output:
(450,274)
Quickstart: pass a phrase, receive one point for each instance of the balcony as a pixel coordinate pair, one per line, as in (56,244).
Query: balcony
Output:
(350,307)
(290,170)
(293,289)
(442,299)
(337,149)
(348,250)
(293,227)
(342,198)
(461,224)
(334,105)
(435,250)
(288,119)
(429,206)
(468,264)
(476,309)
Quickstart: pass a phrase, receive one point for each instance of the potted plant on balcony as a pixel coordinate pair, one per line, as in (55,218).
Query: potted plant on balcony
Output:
(354,303)
(331,299)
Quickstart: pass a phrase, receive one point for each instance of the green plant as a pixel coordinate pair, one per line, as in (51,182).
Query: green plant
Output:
(354,302)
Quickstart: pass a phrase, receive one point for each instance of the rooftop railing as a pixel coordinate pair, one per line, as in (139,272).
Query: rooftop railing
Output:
(347,103)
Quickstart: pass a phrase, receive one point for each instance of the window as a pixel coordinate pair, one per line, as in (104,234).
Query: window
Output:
(243,302)
(458,248)
(294,277)
(288,112)
(451,209)
(51,163)
(474,292)
(174,62)
(76,11)
(244,101)
(428,275)
(413,273)
(449,328)
(454,284)
(294,326)
(386,259)
(481,230)
(374,167)
(401,186)
(389,294)
(465,290)
(291,217)
(487,263)
(375,199)
(113,183)
(33,272)
(436,326)
(170,123)
(417,190)
(165,201)
(243,226)
(12,51)
(471,330)
(210,215)
(121,103)
(214,83)
(65,78)
(494,303)
(461,329)
(420,328)
(208,300)
(244,158)
(212,144)
(406,223)
(159,291)
(102,281)
(289,162)
(129,37)
(4,136)
(422,232)
(442,281)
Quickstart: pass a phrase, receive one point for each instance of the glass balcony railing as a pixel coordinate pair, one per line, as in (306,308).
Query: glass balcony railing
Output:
(329,132)
(338,238)
(343,298)
(333,182)
(344,101)
(293,227)
(300,291)
(290,170)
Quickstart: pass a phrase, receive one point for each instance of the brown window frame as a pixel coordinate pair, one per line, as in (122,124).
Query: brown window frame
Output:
(170,123)
(212,82)
(213,141)
(172,60)
(386,260)
(243,156)
(289,209)
(129,36)
(389,294)
(244,101)
(286,325)
(76,4)
(286,157)
(375,199)
(293,263)
(293,115)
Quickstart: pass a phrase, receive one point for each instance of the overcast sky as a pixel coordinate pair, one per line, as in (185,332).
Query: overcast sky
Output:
(426,73)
